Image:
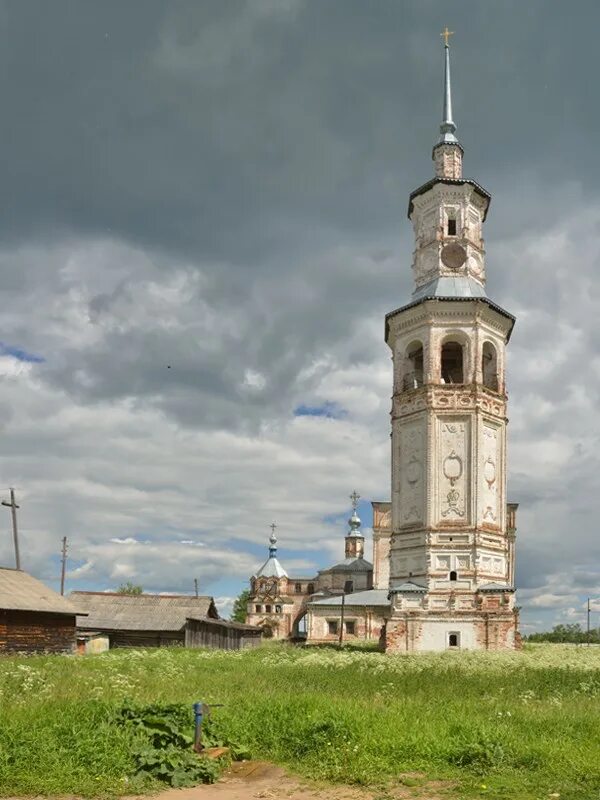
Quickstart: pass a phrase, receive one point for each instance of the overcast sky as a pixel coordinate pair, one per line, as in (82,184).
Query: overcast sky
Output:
(202,226)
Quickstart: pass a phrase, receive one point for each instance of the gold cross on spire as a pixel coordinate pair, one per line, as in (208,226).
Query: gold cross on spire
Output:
(446,34)
(355,497)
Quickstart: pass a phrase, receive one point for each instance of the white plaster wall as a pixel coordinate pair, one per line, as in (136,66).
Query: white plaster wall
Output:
(434,634)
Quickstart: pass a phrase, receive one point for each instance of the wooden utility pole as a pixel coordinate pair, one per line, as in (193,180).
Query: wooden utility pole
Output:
(342,620)
(588,622)
(348,589)
(63,565)
(13,508)
(196,586)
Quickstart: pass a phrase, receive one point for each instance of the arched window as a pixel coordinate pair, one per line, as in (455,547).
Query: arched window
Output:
(454,640)
(298,588)
(453,575)
(489,366)
(452,363)
(310,589)
(413,366)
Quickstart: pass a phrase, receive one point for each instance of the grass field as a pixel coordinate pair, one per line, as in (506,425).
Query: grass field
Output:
(515,725)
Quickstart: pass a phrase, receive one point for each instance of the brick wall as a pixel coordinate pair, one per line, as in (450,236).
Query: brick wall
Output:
(413,632)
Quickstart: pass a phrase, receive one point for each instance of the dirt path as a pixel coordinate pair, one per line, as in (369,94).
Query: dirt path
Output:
(256,780)
(259,780)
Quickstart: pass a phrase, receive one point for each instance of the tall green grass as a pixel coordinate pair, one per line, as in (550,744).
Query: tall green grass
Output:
(522,725)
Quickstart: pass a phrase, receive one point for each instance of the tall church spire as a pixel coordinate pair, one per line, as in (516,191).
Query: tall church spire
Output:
(447,152)
(447,128)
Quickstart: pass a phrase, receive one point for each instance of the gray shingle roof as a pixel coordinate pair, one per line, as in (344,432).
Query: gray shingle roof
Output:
(351,565)
(144,612)
(371,597)
(21,592)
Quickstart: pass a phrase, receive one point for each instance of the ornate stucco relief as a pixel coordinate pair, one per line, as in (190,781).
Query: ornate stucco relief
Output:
(490,478)
(410,474)
(453,470)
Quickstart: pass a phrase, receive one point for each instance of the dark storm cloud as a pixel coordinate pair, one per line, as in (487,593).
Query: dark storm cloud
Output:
(233,130)
(202,224)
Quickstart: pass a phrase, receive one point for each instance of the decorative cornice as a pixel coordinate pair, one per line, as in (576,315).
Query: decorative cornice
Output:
(450,182)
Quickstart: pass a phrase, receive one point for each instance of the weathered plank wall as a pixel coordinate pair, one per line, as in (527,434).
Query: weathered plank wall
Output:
(221,635)
(146,638)
(36,632)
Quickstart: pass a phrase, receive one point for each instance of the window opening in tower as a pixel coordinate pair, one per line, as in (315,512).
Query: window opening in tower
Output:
(489,366)
(413,375)
(452,363)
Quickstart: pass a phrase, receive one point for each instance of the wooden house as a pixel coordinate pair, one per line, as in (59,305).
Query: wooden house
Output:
(33,618)
(143,620)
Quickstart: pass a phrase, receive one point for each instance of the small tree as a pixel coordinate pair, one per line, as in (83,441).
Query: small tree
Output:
(129,588)
(239,606)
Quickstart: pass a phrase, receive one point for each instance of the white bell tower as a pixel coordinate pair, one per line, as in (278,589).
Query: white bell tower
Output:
(452,542)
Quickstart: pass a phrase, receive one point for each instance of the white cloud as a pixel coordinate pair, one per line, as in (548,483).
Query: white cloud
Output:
(225,268)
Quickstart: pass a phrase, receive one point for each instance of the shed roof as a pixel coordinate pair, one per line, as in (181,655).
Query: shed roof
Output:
(22,592)
(143,612)
(226,623)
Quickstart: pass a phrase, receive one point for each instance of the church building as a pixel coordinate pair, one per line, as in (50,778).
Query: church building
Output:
(444,548)
(451,558)
(301,608)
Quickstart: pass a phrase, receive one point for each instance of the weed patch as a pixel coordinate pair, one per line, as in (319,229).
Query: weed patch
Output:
(524,725)
(163,745)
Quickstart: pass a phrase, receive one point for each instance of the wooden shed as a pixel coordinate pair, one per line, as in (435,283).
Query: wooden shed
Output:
(221,634)
(33,618)
(140,620)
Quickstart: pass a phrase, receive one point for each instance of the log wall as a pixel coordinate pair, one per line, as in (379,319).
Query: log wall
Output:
(36,632)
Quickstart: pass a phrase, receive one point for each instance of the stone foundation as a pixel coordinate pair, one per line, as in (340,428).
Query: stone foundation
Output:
(412,633)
